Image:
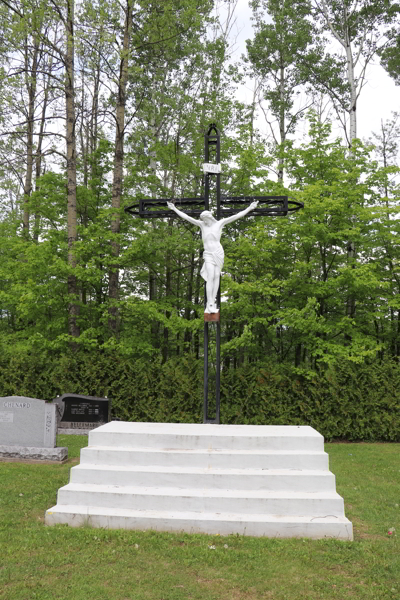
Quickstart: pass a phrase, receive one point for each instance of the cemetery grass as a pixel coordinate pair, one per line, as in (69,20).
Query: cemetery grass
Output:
(39,562)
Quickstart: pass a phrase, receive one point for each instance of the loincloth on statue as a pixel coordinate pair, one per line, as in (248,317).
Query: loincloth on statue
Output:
(212,258)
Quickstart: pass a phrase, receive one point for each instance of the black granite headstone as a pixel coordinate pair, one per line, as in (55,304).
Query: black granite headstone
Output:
(82,412)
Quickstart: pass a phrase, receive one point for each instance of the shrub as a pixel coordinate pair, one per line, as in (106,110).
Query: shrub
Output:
(353,403)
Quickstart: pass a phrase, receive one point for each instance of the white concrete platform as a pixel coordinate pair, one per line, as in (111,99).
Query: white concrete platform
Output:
(253,480)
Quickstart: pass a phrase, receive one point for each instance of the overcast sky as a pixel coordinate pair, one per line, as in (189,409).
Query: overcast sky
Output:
(378,99)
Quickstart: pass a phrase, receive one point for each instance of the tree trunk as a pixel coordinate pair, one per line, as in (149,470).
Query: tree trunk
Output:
(38,160)
(30,82)
(199,303)
(282,131)
(297,356)
(73,307)
(352,85)
(351,248)
(167,312)
(189,299)
(113,294)
(398,334)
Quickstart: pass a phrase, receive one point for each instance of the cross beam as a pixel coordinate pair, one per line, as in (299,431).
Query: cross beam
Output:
(270,206)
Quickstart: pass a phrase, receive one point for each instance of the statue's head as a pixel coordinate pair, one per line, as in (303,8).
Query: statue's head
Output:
(207,215)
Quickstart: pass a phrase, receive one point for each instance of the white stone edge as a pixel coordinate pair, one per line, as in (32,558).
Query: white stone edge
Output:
(31,453)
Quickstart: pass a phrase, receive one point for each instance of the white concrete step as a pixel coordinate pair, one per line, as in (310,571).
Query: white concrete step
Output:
(247,479)
(222,523)
(191,436)
(213,458)
(311,504)
(196,477)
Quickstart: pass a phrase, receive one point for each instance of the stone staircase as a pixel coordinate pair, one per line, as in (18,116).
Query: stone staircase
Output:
(253,480)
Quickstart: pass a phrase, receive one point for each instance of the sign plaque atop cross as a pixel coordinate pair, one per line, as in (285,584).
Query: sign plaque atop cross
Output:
(211,168)
(196,211)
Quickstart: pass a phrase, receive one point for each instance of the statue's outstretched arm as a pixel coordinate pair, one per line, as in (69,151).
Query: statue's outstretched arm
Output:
(184,215)
(240,214)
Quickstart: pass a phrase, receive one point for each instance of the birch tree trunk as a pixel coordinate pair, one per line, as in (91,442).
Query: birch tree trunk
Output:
(282,126)
(351,248)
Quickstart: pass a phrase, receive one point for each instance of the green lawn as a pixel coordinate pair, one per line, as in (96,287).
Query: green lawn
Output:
(51,563)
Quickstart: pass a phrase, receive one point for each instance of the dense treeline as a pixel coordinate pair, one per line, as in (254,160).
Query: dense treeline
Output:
(105,103)
(346,403)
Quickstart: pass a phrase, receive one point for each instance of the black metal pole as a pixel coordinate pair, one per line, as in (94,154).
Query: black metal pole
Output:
(218,324)
(206,207)
(218,373)
(212,138)
(205,405)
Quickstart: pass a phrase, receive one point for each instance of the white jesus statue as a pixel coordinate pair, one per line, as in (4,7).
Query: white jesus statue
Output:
(213,254)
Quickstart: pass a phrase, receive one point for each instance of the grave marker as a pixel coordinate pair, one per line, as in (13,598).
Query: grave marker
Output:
(28,428)
(80,412)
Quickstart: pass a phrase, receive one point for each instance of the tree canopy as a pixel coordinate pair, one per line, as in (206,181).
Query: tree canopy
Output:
(106,103)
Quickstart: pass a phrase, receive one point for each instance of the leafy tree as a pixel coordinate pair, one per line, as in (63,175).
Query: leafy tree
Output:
(286,34)
(390,58)
(26,92)
(290,277)
(386,149)
(360,28)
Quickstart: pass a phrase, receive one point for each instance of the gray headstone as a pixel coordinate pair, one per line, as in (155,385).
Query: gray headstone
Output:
(27,422)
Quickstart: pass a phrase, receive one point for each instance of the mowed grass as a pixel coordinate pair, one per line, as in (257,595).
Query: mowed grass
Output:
(64,563)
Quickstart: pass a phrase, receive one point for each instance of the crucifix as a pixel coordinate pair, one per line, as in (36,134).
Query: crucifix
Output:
(197,212)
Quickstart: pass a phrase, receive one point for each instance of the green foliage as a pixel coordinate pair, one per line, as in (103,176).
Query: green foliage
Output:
(349,403)
(286,280)
(286,34)
(390,58)
(284,292)
(290,278)
(353,403)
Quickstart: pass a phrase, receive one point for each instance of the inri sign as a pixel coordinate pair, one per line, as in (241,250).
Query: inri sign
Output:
(211,168)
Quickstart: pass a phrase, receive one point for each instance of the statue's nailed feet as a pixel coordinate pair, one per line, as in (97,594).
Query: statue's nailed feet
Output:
(211,308)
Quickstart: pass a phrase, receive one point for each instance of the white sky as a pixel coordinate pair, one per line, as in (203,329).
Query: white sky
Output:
(378,99)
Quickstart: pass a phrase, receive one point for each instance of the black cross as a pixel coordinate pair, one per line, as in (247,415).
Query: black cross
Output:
(272,206)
